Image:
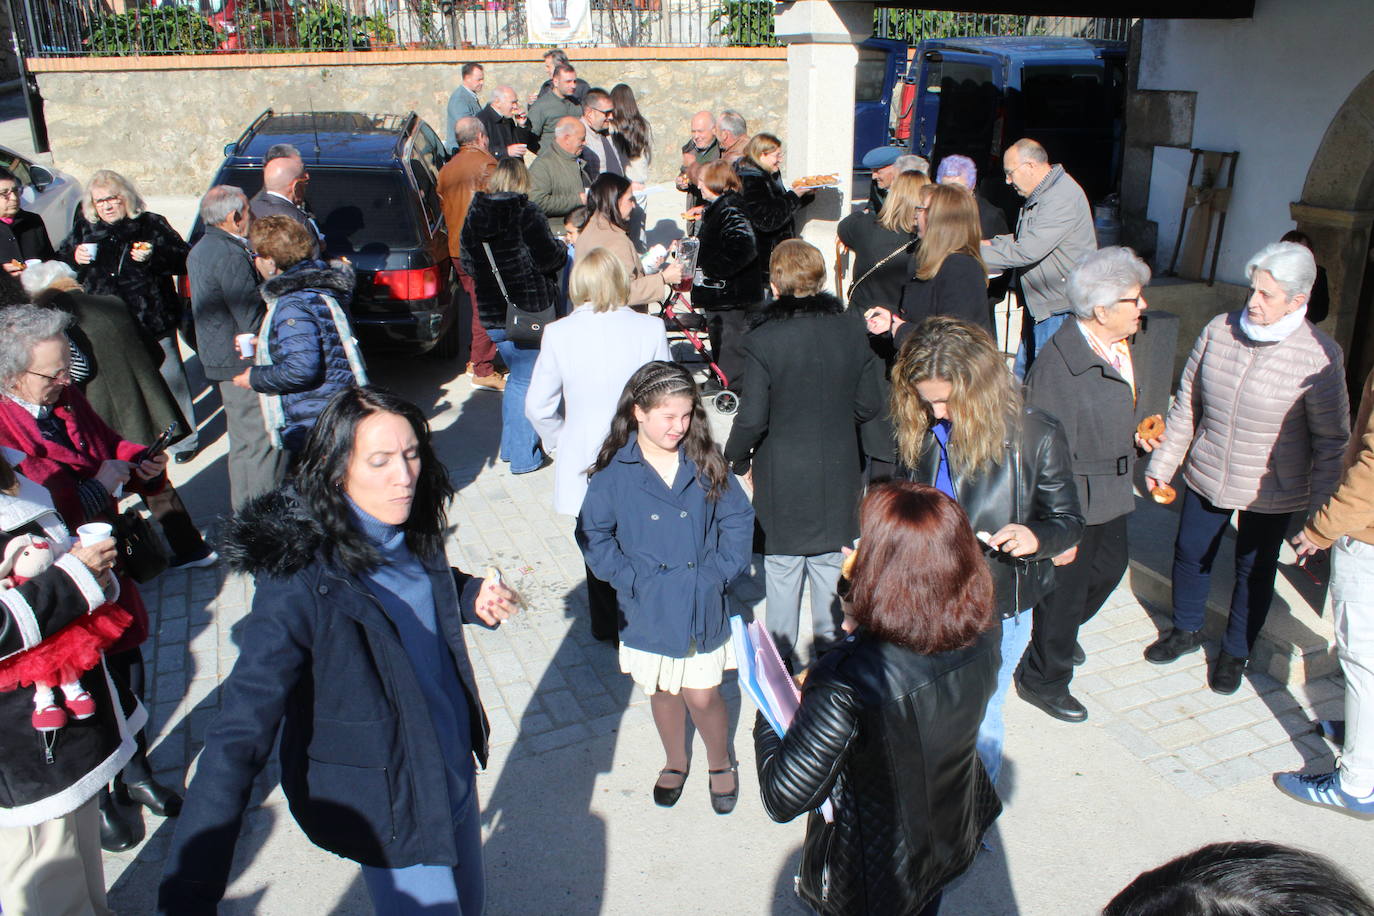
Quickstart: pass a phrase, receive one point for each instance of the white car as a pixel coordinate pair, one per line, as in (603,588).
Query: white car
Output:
(49,192)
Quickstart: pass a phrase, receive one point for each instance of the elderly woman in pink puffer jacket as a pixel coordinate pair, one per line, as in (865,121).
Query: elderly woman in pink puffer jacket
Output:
(1259,423)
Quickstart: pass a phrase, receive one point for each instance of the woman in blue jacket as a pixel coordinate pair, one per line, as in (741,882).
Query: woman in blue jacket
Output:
(306,353)
(665,523)
(355,648)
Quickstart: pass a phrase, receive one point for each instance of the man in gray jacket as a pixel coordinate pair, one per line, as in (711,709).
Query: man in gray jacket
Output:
(1053,233)
(225,303)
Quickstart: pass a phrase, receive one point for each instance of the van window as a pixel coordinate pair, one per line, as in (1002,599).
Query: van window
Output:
(968,109)
(868,78)
(1064,96)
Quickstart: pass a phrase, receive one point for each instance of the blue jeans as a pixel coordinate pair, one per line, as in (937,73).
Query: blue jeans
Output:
(1016,634)
(519,441)
(1039,334)
(1259,536)
(435,889)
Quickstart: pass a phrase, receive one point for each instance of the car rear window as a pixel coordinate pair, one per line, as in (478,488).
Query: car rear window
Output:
(357,210)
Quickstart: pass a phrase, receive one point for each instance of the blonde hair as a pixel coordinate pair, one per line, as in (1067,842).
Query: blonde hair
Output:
(984,403)
(761,145)
(951,226)
(111,181)
(510,174)
(903,197)
(797,268)
(599,279)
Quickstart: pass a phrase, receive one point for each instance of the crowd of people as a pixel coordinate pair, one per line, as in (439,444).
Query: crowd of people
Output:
(955,517)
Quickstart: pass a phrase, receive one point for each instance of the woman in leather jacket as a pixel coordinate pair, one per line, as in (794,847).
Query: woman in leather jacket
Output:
(729,278)
(888,724)
(962,428)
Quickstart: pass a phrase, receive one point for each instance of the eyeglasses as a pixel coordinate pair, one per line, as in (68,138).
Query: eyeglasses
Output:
(9,192)
(606,111)
(1007,173)
(1135,301)
(102,201)
(63,374)
(920,209)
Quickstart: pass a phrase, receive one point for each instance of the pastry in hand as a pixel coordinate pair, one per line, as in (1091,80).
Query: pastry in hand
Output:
(1152,427)
(1163,494)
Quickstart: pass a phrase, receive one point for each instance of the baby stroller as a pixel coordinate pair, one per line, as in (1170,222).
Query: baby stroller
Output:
(680,318)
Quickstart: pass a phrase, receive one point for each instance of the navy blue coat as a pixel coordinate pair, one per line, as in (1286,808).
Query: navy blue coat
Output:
(309,364)
(361,764)
(669,552)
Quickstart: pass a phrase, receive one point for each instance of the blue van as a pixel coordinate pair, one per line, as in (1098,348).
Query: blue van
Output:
(975,96)
(882,62)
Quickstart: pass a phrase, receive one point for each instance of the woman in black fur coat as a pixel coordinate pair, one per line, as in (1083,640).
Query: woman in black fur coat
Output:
(809,378)
(770,205)
(729,272)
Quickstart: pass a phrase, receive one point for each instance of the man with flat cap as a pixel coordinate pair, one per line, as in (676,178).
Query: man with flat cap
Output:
(887,162)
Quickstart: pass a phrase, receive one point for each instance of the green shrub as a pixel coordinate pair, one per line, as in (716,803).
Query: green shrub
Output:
(746,23)
(155,30)
(330,27)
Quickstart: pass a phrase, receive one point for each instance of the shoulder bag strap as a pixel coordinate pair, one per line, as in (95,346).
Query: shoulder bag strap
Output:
(491,259)
(870,271)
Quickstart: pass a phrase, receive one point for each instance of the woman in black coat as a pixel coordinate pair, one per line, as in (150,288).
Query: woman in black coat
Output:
(120,249)
(505,234)
(961,428)
(888,723)
(770,205)
(355,650)
(947,275)
(729,273)
(809,379)
(881,243)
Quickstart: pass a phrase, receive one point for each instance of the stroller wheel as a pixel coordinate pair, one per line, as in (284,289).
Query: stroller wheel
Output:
(726,402)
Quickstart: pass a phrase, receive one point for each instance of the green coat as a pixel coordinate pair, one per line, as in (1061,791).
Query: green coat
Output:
(125,387)
(556,184)
(545,113)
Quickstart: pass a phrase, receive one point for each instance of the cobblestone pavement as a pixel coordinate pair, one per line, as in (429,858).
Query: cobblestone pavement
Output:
(569,827)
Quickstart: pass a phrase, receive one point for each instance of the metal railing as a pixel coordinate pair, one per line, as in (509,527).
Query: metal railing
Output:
(60,28)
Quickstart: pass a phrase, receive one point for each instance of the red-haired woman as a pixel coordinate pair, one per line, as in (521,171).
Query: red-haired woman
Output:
(888,724)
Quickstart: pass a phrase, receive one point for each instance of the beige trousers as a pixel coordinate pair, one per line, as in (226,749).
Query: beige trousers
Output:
(54,869)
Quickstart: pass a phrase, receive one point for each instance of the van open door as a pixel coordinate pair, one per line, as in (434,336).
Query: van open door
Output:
(957,105)
(881,62)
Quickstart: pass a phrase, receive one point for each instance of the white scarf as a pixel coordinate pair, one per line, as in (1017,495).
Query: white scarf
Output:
(31,503)
(1272,333)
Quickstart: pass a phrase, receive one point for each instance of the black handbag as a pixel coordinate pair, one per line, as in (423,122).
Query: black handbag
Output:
(522,325)
(140,552)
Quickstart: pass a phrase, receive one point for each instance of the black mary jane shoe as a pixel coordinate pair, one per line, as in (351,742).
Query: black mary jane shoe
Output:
(121,827)
(154,796)
(724,802)
(664,796)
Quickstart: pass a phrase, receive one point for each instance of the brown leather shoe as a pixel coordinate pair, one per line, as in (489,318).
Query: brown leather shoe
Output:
(493,382)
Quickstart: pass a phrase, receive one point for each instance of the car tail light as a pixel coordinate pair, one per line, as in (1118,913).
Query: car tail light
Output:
(184,286)
(904,111)
(419,283)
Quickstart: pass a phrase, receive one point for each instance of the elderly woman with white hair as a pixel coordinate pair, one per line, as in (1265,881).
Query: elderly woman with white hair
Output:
(1259,424)
(1086,377)
(121,249)
(113,362)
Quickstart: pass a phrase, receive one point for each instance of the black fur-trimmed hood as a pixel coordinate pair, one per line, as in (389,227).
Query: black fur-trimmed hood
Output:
(784,307)
(273,534)
(336,278)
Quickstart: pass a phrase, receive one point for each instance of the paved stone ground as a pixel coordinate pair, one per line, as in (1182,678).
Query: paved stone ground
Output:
(569,826)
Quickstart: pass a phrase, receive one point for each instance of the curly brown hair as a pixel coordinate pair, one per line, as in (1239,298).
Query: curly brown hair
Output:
(281,239)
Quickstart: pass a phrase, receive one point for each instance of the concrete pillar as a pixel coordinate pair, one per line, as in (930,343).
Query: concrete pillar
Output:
(822,41)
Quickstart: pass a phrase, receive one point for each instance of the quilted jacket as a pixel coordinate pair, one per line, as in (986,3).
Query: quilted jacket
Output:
(729,273)
(1258,426)
(889,737)
(527,255)
(309,362)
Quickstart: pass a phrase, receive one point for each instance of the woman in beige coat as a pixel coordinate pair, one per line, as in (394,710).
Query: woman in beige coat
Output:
(1259,422)
(610,202)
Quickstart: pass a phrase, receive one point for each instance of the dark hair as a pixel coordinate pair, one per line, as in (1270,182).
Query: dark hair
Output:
(280,151)
(919,580)
(596,94)
(632,132)
(558,54)
(12,291)
(1243,879)
(468,68)
(720,177)
(7,175)
(577,218)
(1297,236)
(649,387)
(324,463)
(604,197)
(564,68)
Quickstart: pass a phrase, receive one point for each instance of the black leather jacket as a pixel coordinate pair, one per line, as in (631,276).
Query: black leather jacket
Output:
(1032,486)
(889,737)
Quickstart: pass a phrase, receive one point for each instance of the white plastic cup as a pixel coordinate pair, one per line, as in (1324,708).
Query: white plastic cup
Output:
(246,343)
(95,533)
(90,249)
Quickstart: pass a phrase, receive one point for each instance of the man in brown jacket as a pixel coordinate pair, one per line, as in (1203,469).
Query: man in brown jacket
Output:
(460,178)
(1346,525)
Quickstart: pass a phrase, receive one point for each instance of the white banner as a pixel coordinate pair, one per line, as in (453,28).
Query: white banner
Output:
(558,22)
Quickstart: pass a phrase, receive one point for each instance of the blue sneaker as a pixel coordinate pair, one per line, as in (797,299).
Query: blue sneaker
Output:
(1324,790)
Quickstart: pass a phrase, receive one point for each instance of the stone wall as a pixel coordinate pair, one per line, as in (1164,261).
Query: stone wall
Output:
(164,122)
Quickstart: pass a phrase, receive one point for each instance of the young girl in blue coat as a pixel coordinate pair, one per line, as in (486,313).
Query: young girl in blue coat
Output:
(666,524)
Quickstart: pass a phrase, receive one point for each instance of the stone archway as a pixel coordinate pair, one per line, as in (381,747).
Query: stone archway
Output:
(1337,211)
